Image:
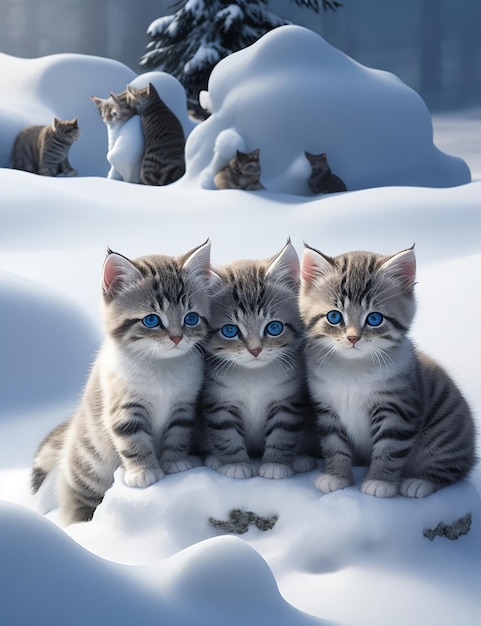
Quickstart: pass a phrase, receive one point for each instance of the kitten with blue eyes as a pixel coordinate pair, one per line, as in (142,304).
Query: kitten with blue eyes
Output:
(254,399)
(378,400)
(138,408)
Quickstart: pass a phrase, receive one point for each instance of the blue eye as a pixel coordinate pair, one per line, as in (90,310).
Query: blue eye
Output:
(191,319)
(274,328)
(375,319)
(151,321)
(230,331)
(334,317)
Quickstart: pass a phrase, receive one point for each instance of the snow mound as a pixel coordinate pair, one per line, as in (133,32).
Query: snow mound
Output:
(46,345)
(59,85)
(222,580)
(291,91)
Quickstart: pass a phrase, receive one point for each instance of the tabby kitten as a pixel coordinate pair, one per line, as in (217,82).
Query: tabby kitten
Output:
(242,172)
(44,149)
(163,161)
(378,400)
(114,111)
(139,403)
(322,180)
(253,398)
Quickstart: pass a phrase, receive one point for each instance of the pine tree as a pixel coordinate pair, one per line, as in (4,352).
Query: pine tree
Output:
(189,43)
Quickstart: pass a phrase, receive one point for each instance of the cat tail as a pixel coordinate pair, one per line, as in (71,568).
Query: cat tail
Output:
(47,456)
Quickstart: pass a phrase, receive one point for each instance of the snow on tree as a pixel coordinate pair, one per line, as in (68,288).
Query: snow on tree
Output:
(189,43)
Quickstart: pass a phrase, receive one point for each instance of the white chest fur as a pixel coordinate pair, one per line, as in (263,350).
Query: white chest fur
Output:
(161,384)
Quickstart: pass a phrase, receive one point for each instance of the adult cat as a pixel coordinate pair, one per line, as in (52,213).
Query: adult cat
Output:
(44,149)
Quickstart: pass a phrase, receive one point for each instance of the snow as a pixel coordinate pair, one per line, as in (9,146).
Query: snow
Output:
(151,555)
(375,130)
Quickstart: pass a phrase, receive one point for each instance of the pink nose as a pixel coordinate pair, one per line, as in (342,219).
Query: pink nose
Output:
(254,351)
(353,339)
(176,339)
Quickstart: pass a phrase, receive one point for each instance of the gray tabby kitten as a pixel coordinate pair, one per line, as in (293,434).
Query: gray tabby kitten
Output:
(163,161)
(378,400)
(322,180)
(254,396)
(114,111)
(242,172)
(139,403)
(44,149)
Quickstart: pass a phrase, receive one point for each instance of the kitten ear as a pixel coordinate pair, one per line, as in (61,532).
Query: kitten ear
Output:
(314,264)
(401,266)
(285,266)
(96,100)
(198,260)
(117,272)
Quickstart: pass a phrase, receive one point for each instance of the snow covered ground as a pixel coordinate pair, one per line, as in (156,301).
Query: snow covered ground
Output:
(151,556)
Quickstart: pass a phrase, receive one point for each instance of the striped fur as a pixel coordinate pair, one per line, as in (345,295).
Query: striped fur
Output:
(163,161)
(254,395)
(139,404)
(242,172)
(378,401)
(44,149)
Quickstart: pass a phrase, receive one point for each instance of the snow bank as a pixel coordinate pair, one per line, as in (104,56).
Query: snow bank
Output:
(291,92)
(219,581)
(59,85)
(40,328)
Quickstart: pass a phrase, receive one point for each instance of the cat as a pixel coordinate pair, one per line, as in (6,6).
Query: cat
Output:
(378,400)
(242,172)
(138,407)
(115,113)
(322,180)
(44,149)
(253,401)
(163,161)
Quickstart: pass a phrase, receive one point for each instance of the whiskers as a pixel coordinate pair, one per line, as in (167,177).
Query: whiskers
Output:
(381,358)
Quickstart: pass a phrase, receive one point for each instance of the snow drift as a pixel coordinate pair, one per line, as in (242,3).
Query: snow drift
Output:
(291,92)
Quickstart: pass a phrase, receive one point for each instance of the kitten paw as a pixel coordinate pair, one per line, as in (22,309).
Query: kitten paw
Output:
(236,470)
(142,478)
(275,471)
(379,488)
(304,464)
(327,483)
(417,488)
(71,173)
(181,465)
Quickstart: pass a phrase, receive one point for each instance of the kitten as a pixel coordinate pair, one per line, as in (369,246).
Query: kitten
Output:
(254,393)
(378,400)
(44,149)
(115,112)
(139,403)
(163,161)
(242,172)
(322,180)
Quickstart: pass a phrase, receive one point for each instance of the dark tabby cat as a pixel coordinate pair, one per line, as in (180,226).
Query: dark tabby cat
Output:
(138,407)
(322,180)
(254,394)
(378,400)
(242,172)
(44,149)
(163,161)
